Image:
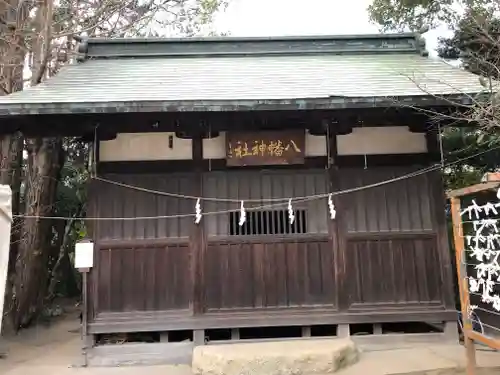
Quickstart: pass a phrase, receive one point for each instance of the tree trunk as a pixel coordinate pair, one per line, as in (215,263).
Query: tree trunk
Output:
(13,14)
(11,154)
(45,156)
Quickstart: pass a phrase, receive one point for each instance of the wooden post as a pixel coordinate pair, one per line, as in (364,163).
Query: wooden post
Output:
(85,317)
(84,261)
(197,243)
(336,226)
(463,285)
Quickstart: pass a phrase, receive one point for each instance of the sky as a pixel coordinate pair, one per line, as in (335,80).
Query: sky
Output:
(311,17)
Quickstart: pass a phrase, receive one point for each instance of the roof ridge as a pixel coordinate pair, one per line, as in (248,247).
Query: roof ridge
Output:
(250,46)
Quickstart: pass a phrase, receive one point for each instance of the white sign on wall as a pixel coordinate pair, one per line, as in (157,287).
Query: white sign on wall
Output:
(84,255)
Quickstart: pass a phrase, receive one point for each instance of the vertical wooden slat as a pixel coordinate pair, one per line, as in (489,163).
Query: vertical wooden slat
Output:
(104,277)
(411,270)
(129,210)
(418,203)
(159,256)
(118,211)
(303,268)
(404,206)
(294,285)
(422,271)
(116,297)
(237,290)
(391,264)
(314,272)
(402,260)
(280,274)
(383,272)
(372,203)
(329,288)
(361,266)
(154,266)
(361,204)
(105,228)
(383,209)
(258,277)
(222,220)
(186,206)
(436,288)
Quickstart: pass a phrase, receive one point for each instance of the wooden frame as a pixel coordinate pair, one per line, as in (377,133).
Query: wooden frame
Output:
(470,336)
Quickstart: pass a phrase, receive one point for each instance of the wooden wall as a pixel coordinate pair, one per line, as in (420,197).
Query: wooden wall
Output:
(151,277)
(393,271)
(385,250)
(396,248)
(401,206)
(269,274)
(116,201)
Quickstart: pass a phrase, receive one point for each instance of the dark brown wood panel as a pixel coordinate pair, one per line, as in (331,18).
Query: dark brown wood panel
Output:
(394,272)
(256,274)
(121,202)
(143,278)
(403,205)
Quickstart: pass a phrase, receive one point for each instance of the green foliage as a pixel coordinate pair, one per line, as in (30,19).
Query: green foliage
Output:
(459,143)
(476,42)
(404,15)
(413,15)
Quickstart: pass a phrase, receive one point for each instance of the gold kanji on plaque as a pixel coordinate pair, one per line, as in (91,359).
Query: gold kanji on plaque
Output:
(241,150)
(265,148)
(275,148)
(259,148)
(293,145)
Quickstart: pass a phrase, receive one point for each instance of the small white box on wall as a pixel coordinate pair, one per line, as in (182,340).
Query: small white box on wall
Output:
(84,255)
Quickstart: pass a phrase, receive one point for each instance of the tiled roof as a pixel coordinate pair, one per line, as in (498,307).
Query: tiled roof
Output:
(229,76)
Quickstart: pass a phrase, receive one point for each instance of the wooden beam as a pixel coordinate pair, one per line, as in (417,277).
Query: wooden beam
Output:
(477,188)
(183,320)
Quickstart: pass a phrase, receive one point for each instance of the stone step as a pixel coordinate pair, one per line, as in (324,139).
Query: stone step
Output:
(303,357)
(140,354)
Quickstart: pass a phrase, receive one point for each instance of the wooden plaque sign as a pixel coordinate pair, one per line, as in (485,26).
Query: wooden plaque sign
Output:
(265,148)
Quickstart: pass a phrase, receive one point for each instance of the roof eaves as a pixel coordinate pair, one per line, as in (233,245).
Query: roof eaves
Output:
(231,105)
